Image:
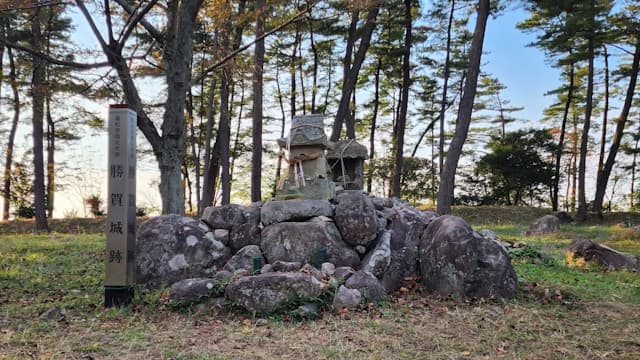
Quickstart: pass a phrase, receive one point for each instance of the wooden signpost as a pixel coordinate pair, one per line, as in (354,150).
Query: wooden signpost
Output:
(121,207)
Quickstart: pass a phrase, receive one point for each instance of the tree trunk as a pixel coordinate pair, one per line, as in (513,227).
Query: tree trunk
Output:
(374,118)
(12,136)
(207,170)
(316,60)
(447,179)
(603,177)
(556,176)
(282,129)
(584,142)
(605,111)
(38,94)
(443,102)
(633,174)
(292,73)
(402,119)
(256,131)
(351,76)
(51,149)
(225,135)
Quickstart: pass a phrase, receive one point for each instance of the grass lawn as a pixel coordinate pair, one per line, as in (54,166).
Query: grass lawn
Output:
(561,312)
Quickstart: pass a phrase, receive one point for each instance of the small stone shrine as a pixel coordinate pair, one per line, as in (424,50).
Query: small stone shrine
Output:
(307,175)
(346,160)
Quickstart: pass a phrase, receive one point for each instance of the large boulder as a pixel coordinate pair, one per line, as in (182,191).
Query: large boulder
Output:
(190,291)
(406,230)
(379,258)
(356,218)
(174,247)
(243,235)
(346,298)
(225,216)
(456,261)
(545,225)
(602,255)
(367,284)
(277,211)
(306,243)
(244,259)
(266,293)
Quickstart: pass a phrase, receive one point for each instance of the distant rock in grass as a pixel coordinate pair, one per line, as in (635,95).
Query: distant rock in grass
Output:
(545,225)
(602,255)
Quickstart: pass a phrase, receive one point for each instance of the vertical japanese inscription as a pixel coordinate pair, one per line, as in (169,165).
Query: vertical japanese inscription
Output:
(121,205)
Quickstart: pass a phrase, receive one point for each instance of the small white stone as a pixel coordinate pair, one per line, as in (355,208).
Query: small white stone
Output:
(178,262)
(186,220)
(204,227)
(192,240)
(209,286)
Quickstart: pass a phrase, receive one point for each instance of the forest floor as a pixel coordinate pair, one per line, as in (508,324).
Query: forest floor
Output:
(561,311)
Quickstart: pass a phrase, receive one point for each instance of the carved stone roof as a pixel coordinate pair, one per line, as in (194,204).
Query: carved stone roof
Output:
(348,149)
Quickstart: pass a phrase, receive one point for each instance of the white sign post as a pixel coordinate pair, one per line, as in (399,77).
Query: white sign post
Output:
(121,207)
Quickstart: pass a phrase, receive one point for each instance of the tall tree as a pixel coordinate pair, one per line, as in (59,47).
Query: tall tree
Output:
(404,101)
(447,179)
(630,26)
(256,159)
(351,76)
(38,93)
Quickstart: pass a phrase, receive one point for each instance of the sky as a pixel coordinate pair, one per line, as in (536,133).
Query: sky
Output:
(507,56)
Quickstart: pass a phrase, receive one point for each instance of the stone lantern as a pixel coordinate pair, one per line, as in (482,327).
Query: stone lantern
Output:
(307,175)
(347,164)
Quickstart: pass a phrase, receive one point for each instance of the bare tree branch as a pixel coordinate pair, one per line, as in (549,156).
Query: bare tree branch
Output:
(299,16)
(155,33)
(133,21)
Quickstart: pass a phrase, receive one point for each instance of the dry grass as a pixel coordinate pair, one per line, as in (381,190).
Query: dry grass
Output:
(422,328)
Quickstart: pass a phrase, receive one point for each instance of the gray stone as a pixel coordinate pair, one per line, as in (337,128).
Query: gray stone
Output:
(378,258)
(267,268)
(54,313)
(224,217)
(221,235)
(381,203)
(489,234)
(406,229)
(456,262)
(243,235)
(277,211)
(311,270)
(252,213)
(286,266)
(306,243)
(223,276)
(381,222)
(172,247)
(244,259)
(360,249)
(343,273)
(320,219)
(356,218)
(328,269)
(563,216)
(191,291)
(602,255)
(346,298)
(271,292)
(308,311)
(367,284)
(545,225)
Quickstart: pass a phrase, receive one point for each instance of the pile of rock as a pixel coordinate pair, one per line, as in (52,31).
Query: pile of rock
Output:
(265,257)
